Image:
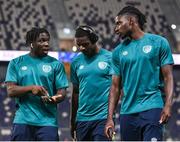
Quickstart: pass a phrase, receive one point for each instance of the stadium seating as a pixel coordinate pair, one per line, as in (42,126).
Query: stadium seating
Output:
(19,16)
(100,15)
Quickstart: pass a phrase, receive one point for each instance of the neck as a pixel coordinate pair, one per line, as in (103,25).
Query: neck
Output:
(137,34)
(32,54)
(97,49)
(94,52)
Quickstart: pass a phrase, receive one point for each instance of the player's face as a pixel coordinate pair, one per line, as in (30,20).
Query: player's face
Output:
(41,45)
(85,46)
(122,26)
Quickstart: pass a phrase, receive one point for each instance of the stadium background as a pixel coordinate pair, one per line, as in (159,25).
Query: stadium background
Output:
(61,17)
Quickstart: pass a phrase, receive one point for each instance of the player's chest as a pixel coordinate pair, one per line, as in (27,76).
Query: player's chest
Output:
(98,67)
(140,53)
(32,69)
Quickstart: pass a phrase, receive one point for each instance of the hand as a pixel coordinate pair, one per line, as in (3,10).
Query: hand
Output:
(39,90)
(74,138)
(109,129)
(57,98)
(46,99)
(73,129)
(165,114)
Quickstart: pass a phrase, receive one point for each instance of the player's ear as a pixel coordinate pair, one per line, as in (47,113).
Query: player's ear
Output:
(31,45)
(131,20)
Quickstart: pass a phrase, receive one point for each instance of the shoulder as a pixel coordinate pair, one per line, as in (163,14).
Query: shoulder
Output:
(79,57)
(53,60)
(117,49)
(156,38)
(55,63)
(106,53)
(19,59)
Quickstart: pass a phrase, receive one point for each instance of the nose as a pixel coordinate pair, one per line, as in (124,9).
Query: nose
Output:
(46,43)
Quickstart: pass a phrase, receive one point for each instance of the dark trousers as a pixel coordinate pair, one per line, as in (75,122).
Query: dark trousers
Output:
(24,132)
(91,130)
(143,126)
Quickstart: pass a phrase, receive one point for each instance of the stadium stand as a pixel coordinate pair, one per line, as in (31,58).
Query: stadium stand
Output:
(100,15)
(17,17)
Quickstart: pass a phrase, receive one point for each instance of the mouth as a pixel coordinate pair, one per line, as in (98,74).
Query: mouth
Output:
(122,36)
(119,33)
(45,51)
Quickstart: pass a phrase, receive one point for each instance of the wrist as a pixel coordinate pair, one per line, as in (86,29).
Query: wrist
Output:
(110,118)
(168,104)
(33,89)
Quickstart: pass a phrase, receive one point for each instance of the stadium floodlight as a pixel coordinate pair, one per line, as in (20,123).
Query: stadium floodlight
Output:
(173,26)
(74,48)
(67,30)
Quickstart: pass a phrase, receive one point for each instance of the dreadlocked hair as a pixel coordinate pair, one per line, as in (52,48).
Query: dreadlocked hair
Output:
(130,10)
(34,33)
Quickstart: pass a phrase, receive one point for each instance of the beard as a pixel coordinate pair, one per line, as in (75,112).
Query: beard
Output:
(90,52)
(126,35)
(126,38)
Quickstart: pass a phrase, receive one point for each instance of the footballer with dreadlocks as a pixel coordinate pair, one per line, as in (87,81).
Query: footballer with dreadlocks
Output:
(38,83)
(143,70)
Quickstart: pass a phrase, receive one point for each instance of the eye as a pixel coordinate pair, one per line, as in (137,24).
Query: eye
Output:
(83,44)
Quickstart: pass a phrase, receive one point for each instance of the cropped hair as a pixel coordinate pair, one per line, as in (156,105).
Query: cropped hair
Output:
(130,10)
(34,33)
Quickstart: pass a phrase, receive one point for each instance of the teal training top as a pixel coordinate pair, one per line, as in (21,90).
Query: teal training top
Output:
(47,72)
(93,75)
(138,64)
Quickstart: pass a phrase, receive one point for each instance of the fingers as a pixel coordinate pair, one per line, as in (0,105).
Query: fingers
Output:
(75,138)
(73,134)
(40,91)
(109,132)
(109,129)
(46,99)
(44,91)
(164,118)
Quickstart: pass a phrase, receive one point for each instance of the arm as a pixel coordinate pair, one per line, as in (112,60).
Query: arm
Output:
(15,90)
(113,101)
(74,107)
(168,88)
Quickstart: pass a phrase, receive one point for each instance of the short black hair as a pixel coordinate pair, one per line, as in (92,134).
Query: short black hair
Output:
(130,10)
(85,30)
(80,33)
(34,33)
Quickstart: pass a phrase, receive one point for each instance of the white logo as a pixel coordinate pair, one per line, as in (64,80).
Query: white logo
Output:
(102,65)
(81,67)
(154,139)
(147,48)
(46,68)
(24,68)
(125,53)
